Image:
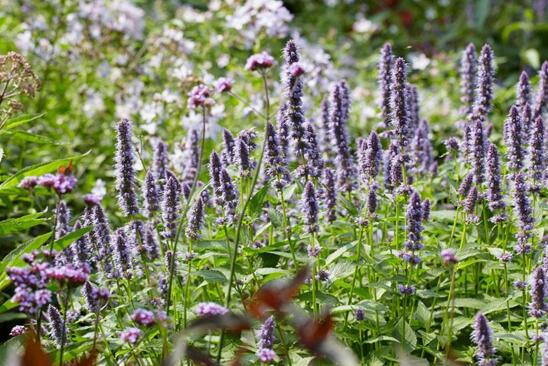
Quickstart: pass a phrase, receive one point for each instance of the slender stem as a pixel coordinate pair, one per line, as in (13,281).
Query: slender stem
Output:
(242,213)
(356,271)
(97,317)
(451,305)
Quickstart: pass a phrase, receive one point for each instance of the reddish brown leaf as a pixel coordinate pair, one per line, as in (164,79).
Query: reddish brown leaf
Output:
(34,355)
(199,358)
(313,332)
(276,294)
(87,361)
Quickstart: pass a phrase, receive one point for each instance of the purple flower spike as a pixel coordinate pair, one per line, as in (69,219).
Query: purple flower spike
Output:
(195,220)
(494,190)
(151,194)
(125,174)
(330,195)
(400,116)
(478,149)
(542,95)
(513,139)
(385,83)
(170,205)
(229,155)
(484,93)
(537,307)
(523,91)
(57,330)
(310,207)
(537,153)
(482,336)
(468,66)
(266,334)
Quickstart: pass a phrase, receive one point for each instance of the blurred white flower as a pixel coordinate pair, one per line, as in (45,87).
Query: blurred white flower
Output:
(223,60)
(419,61)
(363,25)
(99,189)
(94,103)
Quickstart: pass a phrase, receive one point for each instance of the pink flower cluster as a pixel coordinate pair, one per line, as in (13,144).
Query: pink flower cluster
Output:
(68,274)
(200,96)
(210,309)
(59,182)
(259,61)
(131,335)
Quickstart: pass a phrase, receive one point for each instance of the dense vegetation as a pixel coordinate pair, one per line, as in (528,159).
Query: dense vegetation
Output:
(176,189)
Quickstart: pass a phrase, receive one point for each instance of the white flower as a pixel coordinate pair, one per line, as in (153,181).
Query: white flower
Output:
(419,61)
(365,26)
(99,189)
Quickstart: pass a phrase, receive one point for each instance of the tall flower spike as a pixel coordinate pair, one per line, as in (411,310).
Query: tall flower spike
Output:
(63,217)
(482,336)
(312,154)
(412,101)
(170,205)
(465,185)
(422,152)
(494,190)
(414,222)
(215,176)
(283,130)
(330,195)
(195,220)
(151,194)
(293,93)
(243,157)
(82,246)
(310,207)
(542,94)
(536,153)
(275,165)
(388,157)
(469,205)
(229,196)
(150,243)
(468,67)
(478,149)
(344,161)
(56,325)
(484,92)
(125,174)
(160,162)
(513,139)
(396,171)
(537,307)
(385,83)
(372,201)
(326,138)
(523,90)
(122,254)
(266,334)
(191,156)
(400,116)
(228,156)
(522,209)
(526,115)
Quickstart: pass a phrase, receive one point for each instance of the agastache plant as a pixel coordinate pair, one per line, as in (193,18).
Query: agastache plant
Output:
(468,74)
(484,93)
(541,100)
(385,83)
(400,112)
(125,173)
(513,140)
(482,336)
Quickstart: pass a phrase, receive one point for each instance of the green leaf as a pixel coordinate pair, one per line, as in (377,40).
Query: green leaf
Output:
(211,276)
(443,215)
(19,224)
(337,253)
(410,337)
(7,317)
(38,169)
(256,203)
(29,137)
(70,238)
(20,120)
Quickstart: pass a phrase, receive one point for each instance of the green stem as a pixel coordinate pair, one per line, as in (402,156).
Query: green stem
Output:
(64,327)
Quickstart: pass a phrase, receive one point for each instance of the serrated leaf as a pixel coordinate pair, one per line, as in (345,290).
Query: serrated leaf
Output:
(211,276)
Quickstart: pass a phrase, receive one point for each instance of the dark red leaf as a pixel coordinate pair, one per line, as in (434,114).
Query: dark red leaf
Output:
(34,355)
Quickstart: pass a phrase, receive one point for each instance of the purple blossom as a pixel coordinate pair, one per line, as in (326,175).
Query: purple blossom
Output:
(59,182)
(91,199)
(425,207)
(122,252)
(468,66)
(414,226)
(62,213)
(522,209)
(523,90)
(513,139)
(266,334)
(18,330)
(229,155)
(537,153)
(57,328)
(170,206)
(330,195)
(195,220)
(400,116)
(469,204)
(326,138)
(143,317)
(482,336)
(283,130)
(537,307)
(210,309)
(360,314)
(385,83)
(266,355)
(478,149)
(296,69)
(200,96)
(412,105)
(369,158)
(130,335)
(406,289)
(542,95)
(96,297)
(372,201)
(224,85)
(259,61)
(310,207)
(151,194)
(215,176)
(68,274)
(191,153)
(150,242)
(160,161)
(484,92)
(242,153)
(448,256)
(312,153)
(28,183)
(125,173)
(229,196)
(465,185)
(275,163)
(494,191)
